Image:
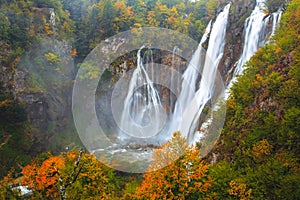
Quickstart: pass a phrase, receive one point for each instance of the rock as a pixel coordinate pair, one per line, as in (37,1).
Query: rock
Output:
(45,91)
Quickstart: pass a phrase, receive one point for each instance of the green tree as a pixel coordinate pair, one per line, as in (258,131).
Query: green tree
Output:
(107,16)
(4,26)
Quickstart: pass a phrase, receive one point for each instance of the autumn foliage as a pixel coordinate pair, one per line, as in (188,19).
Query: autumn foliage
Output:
(184,178)
(72,175)
(44,178)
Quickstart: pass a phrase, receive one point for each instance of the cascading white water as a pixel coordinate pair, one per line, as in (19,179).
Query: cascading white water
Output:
(206,88)
(142,105)
(188,88)
(276,18)
(172,82)
(190,102)
(254,26)
(255,36)
(143,99)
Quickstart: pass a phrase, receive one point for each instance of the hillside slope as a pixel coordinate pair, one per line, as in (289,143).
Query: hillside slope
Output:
(259,146)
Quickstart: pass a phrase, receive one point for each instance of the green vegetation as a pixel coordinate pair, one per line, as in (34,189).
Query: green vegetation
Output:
(260,141)
(14,132)
(257,153)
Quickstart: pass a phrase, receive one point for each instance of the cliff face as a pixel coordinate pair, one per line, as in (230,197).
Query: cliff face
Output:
(42,79)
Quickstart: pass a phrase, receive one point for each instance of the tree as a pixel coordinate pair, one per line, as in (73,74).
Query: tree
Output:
(72,175)
(107,16)
(184,178)
(211,7)
(4,26)
(124,16)
(95,180)
(43,179)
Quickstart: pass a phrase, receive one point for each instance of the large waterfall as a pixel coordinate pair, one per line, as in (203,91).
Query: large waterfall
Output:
(191,102)
(256,35)
(142,106)
(189,83)
(143,99)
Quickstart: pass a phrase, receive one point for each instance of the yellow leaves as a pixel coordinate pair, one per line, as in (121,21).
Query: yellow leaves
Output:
(121,7)
(230,104)
(48,29)
(65,25)
(72,155)
(57,69)
(137,25)
(262,148)
(31,31)
(162,16)
(239,190)
(172,21)
(52,58)
(212,6)
(124,15)
(174,10)
(151,19)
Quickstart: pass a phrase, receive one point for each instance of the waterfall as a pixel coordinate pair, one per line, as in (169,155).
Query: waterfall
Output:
(188,84)
(276,18)
(213,57)
(255,36)
(142,104)
(254,27)
(175,68)
(191,102)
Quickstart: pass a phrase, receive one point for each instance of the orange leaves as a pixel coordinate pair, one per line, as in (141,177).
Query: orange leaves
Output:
(185,175)
(121,7)
(48,29)
(259,77)
(258,81)
(47,174)
(262,148)
(73,52)
(29,173)
(44,177)
(6,102)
